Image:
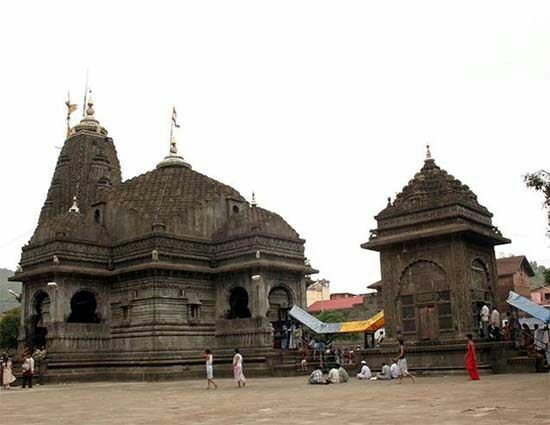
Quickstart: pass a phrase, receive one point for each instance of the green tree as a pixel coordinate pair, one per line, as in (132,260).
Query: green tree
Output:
(333,316)
(9,328)
(540,181)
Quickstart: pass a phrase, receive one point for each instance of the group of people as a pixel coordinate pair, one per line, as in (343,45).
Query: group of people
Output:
(288,336)
(237,365)
(337,374)
(490,325)
(27,370)
(493,327)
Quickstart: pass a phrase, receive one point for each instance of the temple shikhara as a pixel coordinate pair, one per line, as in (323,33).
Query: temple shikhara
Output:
(437,257)
(136,276)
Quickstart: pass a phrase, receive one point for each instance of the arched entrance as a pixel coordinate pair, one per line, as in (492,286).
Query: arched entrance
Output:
(238,304)
(83,308)
(40,316)
(425,301)
(280,302)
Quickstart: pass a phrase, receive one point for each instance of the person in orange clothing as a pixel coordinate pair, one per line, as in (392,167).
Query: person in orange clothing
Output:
(470,359)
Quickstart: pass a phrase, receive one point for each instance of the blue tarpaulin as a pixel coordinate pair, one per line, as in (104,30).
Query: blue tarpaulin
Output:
(529,307)
(372,324)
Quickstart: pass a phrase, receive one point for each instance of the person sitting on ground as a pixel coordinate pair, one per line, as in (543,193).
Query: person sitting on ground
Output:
(365,371)
(384,374)
(394,370)
(316,377)
(333,376)
(344,375)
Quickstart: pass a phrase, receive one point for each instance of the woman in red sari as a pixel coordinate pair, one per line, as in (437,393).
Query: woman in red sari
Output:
(470,359)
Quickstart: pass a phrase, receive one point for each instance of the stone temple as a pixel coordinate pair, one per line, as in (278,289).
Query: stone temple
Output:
(437,258)
(138,277)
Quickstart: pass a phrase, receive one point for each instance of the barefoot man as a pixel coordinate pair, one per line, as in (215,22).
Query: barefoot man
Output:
(402,362)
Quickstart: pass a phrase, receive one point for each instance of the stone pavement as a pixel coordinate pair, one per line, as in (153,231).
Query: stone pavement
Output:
(496,399)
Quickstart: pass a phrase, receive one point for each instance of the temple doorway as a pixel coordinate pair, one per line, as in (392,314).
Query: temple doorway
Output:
(280,303)
(428,323)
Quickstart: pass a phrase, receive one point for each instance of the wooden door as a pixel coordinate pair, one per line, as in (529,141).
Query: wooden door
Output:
(428,323)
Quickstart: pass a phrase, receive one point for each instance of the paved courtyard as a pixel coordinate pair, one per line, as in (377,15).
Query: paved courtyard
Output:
(496,399)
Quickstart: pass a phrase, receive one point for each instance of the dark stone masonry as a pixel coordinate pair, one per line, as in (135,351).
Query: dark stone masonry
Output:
(437,258)
(138,277)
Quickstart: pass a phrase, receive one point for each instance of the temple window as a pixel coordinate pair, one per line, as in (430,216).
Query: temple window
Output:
(193,312)
(97,216)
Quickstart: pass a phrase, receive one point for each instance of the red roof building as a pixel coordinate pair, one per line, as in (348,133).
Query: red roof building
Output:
(513,275)
(341,303)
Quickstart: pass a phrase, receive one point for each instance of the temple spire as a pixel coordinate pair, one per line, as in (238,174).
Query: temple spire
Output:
(253,202)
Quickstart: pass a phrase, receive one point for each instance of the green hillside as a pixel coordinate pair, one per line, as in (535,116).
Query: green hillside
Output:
(6,300)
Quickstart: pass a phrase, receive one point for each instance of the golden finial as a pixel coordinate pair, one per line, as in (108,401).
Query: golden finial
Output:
(253,202)
(90,110)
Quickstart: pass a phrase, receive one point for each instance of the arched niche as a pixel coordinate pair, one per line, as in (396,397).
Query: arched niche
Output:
(40,317)
(84,307)
(238,303)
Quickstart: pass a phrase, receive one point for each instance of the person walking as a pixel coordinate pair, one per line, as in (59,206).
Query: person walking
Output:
(7,375)
(28,369)
(238,369)
(210,368)
(402,362)
(470,359)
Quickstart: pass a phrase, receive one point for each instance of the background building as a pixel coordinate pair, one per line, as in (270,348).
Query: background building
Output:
(318,290)
(514,274)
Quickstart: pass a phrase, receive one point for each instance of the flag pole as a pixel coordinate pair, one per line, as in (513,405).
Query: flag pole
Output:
(68,103)
(85,95)
(172,128)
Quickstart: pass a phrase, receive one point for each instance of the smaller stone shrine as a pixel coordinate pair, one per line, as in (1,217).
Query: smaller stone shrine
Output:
(437,259)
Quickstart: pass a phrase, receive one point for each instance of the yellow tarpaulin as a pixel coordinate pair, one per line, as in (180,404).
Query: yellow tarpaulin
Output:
(373,324)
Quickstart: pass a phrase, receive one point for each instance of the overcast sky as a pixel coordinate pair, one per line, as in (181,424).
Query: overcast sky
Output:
(322,108)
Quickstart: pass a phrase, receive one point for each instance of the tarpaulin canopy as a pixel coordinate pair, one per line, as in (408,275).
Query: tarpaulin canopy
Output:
(372,324)
(529,307)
